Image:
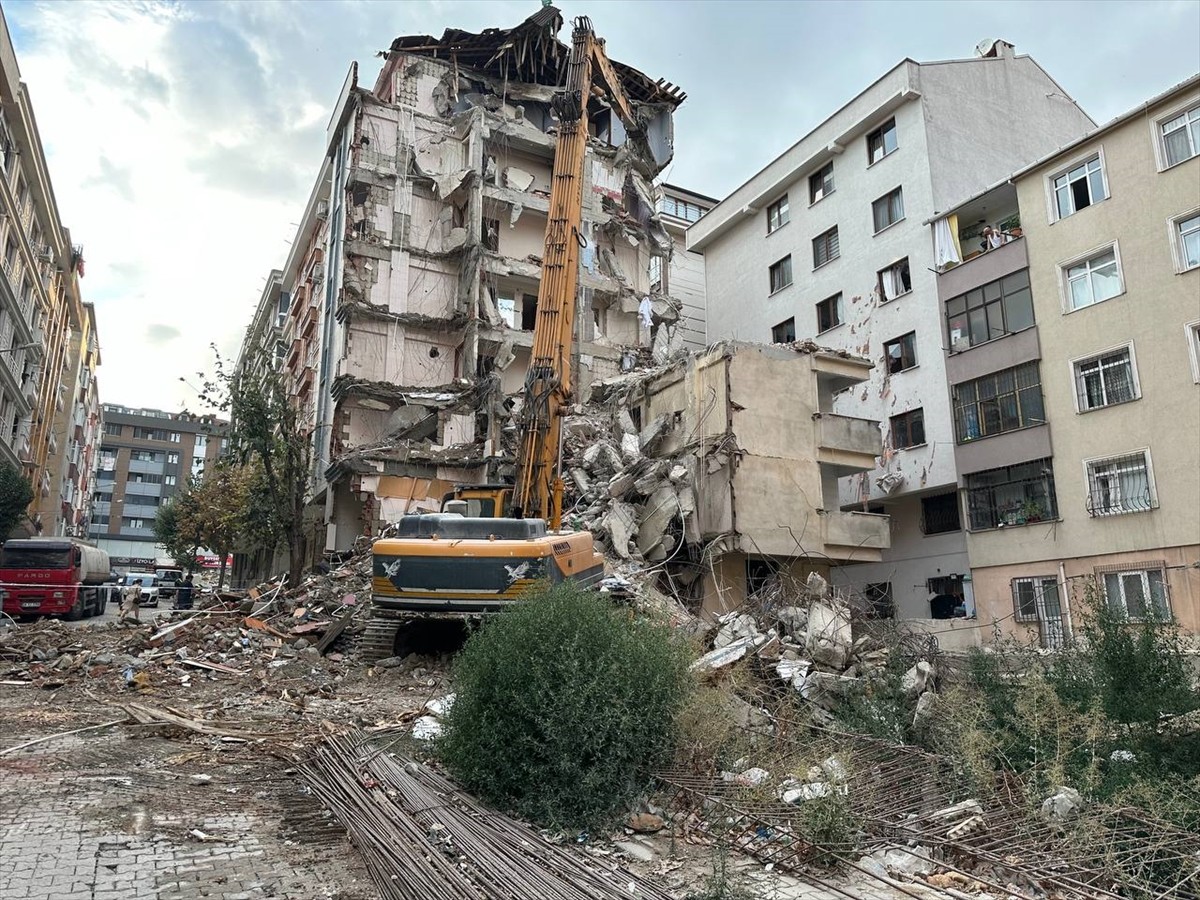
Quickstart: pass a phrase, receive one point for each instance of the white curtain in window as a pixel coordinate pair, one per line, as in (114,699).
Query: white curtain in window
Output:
(945,241)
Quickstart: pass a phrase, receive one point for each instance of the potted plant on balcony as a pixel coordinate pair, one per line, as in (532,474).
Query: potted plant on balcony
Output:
(1032,511)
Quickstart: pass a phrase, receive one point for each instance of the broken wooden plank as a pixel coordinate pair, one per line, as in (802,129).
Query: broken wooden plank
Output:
(334,632)
(146,715)
(51,737)
(211,666)
(168,633)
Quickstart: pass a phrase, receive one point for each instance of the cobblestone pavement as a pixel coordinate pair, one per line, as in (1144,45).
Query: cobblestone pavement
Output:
(109,817)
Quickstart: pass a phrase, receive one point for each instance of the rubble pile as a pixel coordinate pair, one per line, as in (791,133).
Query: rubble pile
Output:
(804,633)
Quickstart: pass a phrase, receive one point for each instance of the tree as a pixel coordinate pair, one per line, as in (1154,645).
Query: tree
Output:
(175,528)
(219,507)
(16,493)
(265,440)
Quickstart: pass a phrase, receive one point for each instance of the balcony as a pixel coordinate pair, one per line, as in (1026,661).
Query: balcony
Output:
(983,268)
(856,536)
(848,444)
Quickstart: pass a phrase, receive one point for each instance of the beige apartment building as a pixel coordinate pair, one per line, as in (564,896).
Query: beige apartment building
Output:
(680,276)
(1074,371)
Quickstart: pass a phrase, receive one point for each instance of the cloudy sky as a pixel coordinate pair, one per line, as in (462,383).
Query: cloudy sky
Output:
(182,137)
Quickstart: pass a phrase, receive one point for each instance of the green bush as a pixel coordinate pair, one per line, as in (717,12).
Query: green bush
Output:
(564,706)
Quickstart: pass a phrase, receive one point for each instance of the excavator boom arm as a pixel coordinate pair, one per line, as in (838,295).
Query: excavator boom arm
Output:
(539,487)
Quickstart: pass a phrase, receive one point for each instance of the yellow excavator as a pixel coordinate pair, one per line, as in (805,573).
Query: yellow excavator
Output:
(492,542)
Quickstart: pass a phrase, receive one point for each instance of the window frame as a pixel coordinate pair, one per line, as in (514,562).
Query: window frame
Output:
(985,305)
(912,354)
(1157,138)
(1038,582)
(959,404)
(924,523)
(902,262)
(790,321)
(1109,512)
(881,130)
(824,237)
(778,265)
(1047,483)
(1075,364)
(782,213)
(898,192)
(1178,247)
(1143,569)
(907,418)
(837,306)
(1082,159)
(812,198)
(1191,333)
(1064,268)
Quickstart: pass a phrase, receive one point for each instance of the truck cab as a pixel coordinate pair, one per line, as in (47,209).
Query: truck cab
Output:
(52,577)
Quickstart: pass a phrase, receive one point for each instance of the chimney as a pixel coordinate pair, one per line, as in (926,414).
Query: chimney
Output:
(994,48)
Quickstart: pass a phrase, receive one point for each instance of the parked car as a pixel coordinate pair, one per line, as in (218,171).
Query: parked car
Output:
(150,586)
(169,580)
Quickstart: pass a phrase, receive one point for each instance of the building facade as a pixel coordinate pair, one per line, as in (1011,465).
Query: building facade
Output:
(45,330)
(827,242)
(414,274)
(1078,411)
(146,457)
(681,276)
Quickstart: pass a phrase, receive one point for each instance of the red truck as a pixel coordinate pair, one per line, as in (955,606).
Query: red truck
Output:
(58,576)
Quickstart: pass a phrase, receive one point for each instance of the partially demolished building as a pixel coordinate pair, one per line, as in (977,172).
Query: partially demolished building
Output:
(722,469)
(413,278)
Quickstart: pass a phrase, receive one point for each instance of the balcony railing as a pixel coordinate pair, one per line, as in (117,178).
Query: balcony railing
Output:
(856,535)
(848,442)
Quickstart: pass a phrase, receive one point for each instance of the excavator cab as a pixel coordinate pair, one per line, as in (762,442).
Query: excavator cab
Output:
(483,501)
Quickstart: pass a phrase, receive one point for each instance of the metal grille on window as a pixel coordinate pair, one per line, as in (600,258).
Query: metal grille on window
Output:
(1137,594)
(1037,600)
(1119,485)
(1104,380)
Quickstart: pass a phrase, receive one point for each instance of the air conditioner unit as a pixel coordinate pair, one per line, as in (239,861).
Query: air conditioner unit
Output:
(322,209)
(44,253)
(318,271)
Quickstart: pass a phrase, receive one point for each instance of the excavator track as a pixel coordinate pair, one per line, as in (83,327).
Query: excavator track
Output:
(378,640)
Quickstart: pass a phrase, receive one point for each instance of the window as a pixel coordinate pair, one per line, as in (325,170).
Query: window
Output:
(781,274)
(901,353)
(491,235)
(1011,495)
(820,183)
(507,308)
(1105,380)
(144,456)
(175,437)
(102,496)
(128,522)
(784,332)
(169,479)
(173,458)
(908,429)
(939,514)
(1137,594)
(894,281)
(149,434)
(1004,401)
(1193,339)
(1079,188)
(656,276)
(879,600)
(1093,280)
(681,209)
(998,308)
(113,429)
(888,210)
(881,141)
(1181,136)
(777,214)
(1188,235)
(1120,485)
(825,247)
(1035,599)
(829,313)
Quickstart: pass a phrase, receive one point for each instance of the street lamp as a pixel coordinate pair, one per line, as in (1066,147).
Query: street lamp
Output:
(19,347)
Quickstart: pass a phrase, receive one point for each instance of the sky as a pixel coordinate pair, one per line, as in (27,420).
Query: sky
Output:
(183,137)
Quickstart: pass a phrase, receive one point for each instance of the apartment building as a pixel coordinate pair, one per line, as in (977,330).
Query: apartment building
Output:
(681,275)
(827,242)
(414,274)
(146,457)
(263,348)
(1074,366)
(44,328)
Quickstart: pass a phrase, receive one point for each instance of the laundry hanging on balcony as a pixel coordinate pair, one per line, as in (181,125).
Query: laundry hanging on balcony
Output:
(946,249)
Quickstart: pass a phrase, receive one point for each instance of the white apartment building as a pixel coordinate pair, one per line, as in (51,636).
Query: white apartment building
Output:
(681,276)
(830,242)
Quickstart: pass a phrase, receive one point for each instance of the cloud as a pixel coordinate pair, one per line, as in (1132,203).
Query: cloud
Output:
(158,333)
(116,177)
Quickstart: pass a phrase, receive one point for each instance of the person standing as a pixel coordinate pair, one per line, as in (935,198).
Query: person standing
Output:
(183,594)
(131,603)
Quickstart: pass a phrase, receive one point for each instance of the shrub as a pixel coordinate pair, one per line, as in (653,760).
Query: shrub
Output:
(564,706)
